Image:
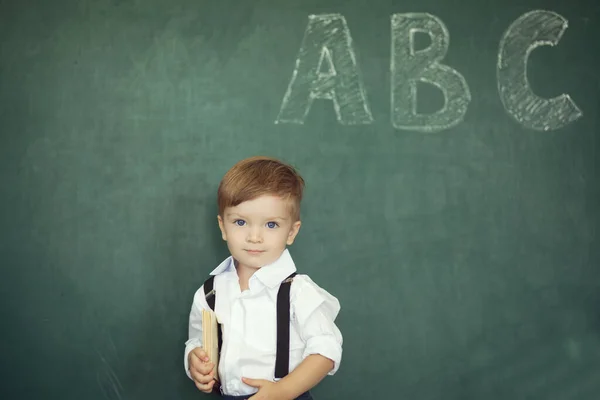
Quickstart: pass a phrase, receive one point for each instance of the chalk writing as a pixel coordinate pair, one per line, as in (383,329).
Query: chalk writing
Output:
(531,30)
(326,68)
(408,66)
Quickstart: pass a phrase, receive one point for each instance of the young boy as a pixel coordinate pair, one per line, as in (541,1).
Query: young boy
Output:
(259,216)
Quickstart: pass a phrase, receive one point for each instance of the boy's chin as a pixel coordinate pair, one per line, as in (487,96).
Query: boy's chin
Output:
(253,262)
(247,264)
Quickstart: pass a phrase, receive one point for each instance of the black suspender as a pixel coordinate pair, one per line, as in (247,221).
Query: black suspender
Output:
(282,358)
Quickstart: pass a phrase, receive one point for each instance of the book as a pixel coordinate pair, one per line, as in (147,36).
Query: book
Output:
(210,338)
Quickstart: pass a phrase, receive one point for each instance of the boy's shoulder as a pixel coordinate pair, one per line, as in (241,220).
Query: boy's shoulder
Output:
(306,296)
(303,281)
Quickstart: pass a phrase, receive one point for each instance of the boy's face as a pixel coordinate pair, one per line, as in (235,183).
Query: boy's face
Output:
(257,231)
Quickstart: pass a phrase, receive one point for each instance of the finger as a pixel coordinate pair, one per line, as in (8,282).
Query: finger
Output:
(194,361)
(205,368)
(257,383)
(200,354)
(205,387)
(200,377)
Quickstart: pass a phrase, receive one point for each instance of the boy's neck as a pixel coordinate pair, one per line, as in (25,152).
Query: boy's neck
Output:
(244,274)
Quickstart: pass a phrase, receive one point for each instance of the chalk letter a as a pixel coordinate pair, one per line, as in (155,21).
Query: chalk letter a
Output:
(326,68)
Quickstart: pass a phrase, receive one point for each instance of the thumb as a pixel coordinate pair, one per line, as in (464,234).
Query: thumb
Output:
(257,383)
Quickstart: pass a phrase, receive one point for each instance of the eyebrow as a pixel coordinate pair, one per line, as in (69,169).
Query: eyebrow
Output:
(230,215)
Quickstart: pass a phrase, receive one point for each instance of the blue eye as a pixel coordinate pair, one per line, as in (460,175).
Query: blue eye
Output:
(239,222)
(272,224)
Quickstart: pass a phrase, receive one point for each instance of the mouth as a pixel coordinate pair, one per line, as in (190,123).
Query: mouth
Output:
(254,251)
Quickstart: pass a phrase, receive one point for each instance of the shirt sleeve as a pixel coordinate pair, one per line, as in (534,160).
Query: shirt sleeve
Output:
(315,310)
(194,327)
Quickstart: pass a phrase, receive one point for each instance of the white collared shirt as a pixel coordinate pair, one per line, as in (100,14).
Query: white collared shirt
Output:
(249,323)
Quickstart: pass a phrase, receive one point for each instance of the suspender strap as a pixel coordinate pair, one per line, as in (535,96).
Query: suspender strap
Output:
(209,292)
(210,295)
(282,359)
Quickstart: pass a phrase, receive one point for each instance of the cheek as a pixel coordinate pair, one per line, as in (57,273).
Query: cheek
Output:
(236,235)
(282,236)
(232,234)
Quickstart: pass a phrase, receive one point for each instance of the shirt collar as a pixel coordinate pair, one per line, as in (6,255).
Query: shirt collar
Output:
(273,274)
(270,275)
(225,266)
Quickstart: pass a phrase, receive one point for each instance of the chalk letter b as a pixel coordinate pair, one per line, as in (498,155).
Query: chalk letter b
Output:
(326,68)
(409,66)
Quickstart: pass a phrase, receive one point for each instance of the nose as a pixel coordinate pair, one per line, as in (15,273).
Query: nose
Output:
(254,235)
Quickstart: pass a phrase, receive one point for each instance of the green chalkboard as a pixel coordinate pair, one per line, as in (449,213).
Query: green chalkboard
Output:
(450,151)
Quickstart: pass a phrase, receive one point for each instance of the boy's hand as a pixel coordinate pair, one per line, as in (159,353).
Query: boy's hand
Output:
(201,370)
(267,390)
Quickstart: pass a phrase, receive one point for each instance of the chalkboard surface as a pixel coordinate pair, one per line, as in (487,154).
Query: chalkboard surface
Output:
(450,150)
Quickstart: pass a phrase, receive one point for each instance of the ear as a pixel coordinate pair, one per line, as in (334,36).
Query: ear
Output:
(222,227)
(293,232)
